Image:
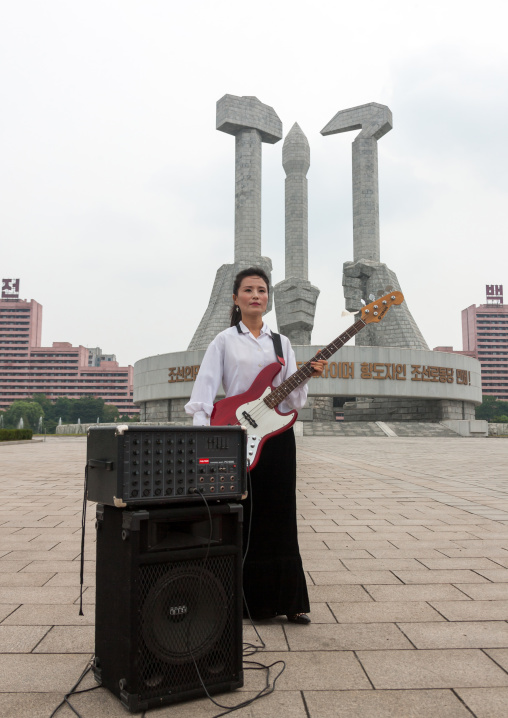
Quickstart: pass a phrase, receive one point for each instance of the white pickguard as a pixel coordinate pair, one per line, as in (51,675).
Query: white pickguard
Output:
(267,420)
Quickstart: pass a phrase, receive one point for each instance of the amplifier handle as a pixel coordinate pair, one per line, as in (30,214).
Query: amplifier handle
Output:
(96,464)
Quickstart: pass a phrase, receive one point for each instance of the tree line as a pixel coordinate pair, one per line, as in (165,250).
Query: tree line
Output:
(86,409)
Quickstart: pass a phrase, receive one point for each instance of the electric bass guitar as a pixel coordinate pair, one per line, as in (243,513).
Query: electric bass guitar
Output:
(256,409)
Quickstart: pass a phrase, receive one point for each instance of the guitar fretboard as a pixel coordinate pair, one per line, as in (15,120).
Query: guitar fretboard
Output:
(305,371)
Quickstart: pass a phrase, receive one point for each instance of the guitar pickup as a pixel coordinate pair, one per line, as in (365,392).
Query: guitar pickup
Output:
(249,418)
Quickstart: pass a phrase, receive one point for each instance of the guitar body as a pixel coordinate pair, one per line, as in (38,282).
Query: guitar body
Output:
(249,410)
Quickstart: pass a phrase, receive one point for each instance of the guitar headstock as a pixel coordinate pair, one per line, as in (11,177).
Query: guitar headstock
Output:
(377,309)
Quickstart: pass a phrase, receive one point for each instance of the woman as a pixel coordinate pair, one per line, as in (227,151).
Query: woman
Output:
(274,581)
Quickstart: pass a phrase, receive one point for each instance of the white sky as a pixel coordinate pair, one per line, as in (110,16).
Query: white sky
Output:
(117,192)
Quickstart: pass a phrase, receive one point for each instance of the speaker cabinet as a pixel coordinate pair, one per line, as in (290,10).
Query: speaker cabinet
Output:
(168,603)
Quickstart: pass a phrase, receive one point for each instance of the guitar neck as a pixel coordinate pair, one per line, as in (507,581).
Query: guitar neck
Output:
(305,371)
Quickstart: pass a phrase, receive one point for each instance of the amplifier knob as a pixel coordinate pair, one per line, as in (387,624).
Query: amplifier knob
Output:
(169,451)
(157,492)
(146,483)
(134,492)
(135,473)
(179,490)
(157,481)
(135,452)
(180,471)
(148,473)
(135,463)
(181,451)
(212,470)
(147,462)
(159,451)
(181,441)
(169,481)
(136,441)
(147,451)
(169,471)
(191,441)
(191,481)
(146,492)
(159,441)
(180,481)
(134,483)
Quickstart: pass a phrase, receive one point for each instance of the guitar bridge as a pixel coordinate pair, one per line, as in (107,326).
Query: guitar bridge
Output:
(249,418)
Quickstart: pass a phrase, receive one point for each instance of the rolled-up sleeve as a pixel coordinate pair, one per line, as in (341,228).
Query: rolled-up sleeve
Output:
(298,397)
(207,384)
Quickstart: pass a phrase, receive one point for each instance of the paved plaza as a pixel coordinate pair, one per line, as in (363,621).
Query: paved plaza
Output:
(405,544)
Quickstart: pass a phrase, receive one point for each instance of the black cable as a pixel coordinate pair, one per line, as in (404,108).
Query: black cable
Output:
(82,557)
(73,692)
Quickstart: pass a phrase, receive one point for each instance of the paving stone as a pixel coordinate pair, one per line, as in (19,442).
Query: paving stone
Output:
(345,637)
(49,615)
(32,705)
(423,592)
(485,591)
(462,634)
(24,579)
(385,704)
(22,594)
(447,668)
(349,577)
(500,655)
(21,639)
(439,576)
(384,612)
(29,673)
(279,703)
(472,610)
(338,593)
(485,702)
(6,609)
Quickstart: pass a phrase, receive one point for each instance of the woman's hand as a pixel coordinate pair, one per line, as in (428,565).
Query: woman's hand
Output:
(318,367)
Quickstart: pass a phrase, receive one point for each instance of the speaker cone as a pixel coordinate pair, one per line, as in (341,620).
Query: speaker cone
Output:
(184,615)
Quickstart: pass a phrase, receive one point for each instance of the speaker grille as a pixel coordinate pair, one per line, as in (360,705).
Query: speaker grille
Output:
(186,611)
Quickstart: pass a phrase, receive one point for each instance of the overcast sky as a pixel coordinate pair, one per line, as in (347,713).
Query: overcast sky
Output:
(117,192)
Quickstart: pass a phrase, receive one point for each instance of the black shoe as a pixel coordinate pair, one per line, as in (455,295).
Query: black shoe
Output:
(300,618)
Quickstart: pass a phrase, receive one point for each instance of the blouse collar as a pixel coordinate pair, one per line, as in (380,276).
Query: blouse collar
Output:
(265,329)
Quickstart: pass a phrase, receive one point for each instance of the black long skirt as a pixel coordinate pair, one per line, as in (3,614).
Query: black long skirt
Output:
(273,578)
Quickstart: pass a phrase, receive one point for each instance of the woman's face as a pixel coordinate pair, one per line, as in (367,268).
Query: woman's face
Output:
(252,296)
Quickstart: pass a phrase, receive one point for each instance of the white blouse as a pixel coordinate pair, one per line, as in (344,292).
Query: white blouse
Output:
(235,360)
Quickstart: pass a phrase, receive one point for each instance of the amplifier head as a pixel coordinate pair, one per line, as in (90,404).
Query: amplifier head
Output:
(142,465)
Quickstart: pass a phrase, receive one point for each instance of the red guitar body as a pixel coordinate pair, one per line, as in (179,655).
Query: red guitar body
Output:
(249,410)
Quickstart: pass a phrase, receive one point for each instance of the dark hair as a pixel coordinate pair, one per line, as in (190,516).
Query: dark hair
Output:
(236,312)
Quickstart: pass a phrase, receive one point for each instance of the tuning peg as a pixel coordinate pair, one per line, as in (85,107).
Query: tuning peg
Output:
(363,301)
(371,297)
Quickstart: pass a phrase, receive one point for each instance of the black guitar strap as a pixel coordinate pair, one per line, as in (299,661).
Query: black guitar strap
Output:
(277,345)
